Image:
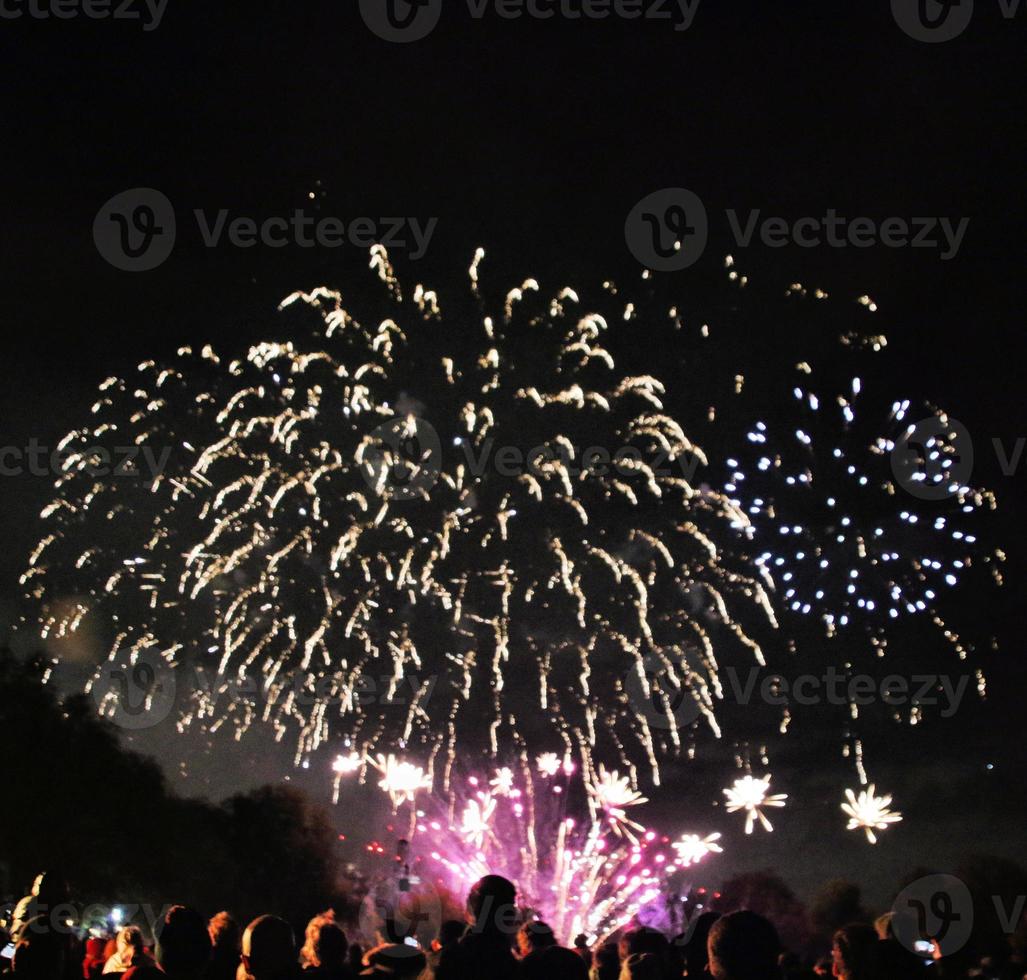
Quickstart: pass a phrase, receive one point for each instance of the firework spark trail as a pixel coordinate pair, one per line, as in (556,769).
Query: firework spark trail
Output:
(300,541)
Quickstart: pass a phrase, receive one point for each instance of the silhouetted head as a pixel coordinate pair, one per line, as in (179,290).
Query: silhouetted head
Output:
(606,961)
(534,935)
(325,943)
(183,942)
(855,952)
(492,905)
(451,931)
(39,950)
(397,960)
(224,934)
(743,946)
(131,947)
(643,966)
(694,948)
(268,948)
(644,940)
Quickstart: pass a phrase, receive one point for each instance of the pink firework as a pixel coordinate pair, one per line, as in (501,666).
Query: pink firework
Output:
(579,875)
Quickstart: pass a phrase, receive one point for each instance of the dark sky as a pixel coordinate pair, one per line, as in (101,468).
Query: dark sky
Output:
(534,138)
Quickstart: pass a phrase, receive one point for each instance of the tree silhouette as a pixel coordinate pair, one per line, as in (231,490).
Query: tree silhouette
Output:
(77,802)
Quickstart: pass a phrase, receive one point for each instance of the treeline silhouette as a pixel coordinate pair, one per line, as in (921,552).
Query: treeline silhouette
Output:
(75,800)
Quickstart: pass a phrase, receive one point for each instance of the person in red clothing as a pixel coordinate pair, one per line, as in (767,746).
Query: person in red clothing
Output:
(94,959)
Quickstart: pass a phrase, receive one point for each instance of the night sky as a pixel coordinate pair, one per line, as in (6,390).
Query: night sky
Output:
(535,138)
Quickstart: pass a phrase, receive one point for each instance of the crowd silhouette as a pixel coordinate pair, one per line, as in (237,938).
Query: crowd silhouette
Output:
(496,941)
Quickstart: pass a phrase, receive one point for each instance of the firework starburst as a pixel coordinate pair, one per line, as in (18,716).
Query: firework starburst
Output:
(752,795)
(869,812)
(691,848)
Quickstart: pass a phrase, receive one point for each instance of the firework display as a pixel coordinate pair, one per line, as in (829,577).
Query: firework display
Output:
(578,874)
(348,526)
(428,523)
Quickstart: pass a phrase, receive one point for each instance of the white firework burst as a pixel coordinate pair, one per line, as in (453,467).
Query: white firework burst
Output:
(548,764)
(503,781)
(613,794)
(751,795)
(476,823)
(401,780)
(692,848)
(869,812)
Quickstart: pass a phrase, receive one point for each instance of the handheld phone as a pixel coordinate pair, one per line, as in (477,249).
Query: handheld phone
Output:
(8,952)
